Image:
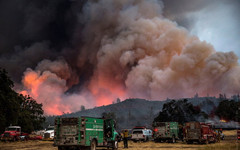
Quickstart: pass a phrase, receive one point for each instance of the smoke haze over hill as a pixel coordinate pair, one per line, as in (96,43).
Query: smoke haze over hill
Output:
(71,53)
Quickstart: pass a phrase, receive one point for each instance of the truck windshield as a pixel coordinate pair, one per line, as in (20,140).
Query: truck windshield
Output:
(137,132)
(13,129)
(50,128)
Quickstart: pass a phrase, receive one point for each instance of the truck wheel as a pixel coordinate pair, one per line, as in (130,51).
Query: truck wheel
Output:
(207,141)
(14,139)
(115,145)
(61,148)
(173,139)
(93,145)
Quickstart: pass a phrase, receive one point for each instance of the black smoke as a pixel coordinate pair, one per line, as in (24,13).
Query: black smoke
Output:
(31,31)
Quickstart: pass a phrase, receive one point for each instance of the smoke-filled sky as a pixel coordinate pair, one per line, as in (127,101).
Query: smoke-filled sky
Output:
(67,53)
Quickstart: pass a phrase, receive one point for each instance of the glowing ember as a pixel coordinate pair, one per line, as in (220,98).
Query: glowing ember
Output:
(222,120)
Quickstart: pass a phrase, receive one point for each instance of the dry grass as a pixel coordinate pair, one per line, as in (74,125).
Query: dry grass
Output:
(230,132)
(223,146)
(162,146)
(27,145)
(229,144)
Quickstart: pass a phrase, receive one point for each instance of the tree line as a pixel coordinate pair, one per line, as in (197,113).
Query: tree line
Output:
(183,111)
(16,109)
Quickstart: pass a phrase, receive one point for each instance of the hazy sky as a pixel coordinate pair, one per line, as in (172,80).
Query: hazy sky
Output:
(215,21)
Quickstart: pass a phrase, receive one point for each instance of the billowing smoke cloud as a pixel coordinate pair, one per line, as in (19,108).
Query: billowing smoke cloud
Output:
(114,49)
(48,83)
(215,21)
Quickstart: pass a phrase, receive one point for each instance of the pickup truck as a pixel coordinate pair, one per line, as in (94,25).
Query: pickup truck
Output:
(141,134)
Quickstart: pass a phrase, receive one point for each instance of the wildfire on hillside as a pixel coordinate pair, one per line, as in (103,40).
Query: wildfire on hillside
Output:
(135,52)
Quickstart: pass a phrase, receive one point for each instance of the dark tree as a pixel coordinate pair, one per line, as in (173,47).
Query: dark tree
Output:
(82,108)
(9,101)
(109,115)
(180,111)
(16,109)
(118,100)
(228,110)
(31,115)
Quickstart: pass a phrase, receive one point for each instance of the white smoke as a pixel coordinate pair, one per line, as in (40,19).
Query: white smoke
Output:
(154,58)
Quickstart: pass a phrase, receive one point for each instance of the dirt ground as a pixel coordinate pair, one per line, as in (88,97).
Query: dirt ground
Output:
(230,143)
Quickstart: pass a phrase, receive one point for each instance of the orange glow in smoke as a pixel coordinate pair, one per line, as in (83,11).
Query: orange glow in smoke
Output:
(106,91)
(34,82)
(24,93)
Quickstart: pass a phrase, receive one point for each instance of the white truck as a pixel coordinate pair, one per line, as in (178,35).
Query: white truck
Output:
(49,133)
(141,134)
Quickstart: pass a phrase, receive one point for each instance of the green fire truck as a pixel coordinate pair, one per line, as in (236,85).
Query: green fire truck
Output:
(166,131)
(85,133)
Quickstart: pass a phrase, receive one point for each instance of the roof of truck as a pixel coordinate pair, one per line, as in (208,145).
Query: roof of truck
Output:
(14,127)
(139,127)
(85,117)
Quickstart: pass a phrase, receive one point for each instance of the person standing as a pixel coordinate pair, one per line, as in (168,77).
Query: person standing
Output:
(125,138)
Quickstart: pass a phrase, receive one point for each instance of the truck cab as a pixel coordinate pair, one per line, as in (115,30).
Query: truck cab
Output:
(11,133)
(49,133)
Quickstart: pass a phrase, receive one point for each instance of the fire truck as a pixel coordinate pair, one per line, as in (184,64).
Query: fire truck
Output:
(85,132)
(11,133)
(49,133)
(238,134)
(199,132)
(166,131)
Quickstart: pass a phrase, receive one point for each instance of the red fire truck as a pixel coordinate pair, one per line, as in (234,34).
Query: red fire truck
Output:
(12,133)
(199,132)
(238,134)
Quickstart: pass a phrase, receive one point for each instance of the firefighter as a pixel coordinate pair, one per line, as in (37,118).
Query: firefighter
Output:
(218,135)
(125,138)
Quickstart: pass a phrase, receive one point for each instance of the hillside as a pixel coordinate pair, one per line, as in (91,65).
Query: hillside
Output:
(129,113)
(134,112)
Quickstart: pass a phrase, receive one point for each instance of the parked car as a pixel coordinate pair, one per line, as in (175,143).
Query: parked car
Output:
(141,134)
